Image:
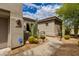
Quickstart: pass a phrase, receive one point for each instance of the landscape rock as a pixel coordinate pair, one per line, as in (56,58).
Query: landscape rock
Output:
(4,52)
(46,49)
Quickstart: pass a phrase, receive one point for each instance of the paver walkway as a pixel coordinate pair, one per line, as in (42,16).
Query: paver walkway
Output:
(69,48)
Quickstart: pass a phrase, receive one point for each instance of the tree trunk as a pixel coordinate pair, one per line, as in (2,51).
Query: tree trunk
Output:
(76,30)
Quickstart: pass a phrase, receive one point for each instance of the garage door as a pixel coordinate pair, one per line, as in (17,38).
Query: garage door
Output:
(3,33)
(4,17)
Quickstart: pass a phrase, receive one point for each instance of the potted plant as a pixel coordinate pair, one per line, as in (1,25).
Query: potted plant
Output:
(42,37)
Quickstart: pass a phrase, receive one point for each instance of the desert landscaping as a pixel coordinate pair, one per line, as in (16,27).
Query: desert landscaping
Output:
(57,35)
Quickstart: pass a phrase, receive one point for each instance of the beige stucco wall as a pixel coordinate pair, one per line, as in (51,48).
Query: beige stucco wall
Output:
(57,29)
(14,32)
(72,31)
(15,8)
(49,30)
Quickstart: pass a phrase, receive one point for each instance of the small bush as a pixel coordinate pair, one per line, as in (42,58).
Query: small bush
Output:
(36,36)
(67,37)
(36,41)
(33,40)
(29,33)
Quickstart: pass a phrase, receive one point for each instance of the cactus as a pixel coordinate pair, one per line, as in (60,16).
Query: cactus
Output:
(34,29)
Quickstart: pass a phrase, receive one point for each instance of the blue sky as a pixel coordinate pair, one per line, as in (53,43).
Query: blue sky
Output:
(40,10)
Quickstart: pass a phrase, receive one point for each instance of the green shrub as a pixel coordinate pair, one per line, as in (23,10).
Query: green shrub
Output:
(29,33)
(36,36)
(33,40)
(67,37)
(36,41)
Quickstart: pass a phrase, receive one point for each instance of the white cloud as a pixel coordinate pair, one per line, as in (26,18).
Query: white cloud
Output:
(42,12)
(28,14)
(30,4)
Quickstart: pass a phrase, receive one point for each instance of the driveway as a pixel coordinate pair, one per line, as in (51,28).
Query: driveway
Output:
(3,45)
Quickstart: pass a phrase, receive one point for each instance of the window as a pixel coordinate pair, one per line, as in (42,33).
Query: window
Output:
(46,24)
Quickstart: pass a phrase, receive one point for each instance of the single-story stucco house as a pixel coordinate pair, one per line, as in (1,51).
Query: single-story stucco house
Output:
(72,31)
(50,26)
(11,25)
(27,23)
